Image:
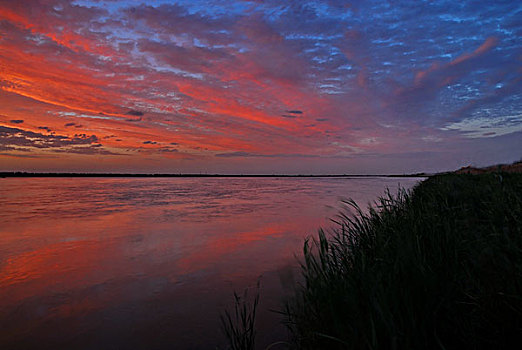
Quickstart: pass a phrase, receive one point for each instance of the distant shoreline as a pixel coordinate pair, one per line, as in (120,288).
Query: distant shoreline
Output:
(515,167)
(27,174)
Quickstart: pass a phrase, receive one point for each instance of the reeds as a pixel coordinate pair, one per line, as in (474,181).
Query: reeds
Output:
(439,267)
(239,325)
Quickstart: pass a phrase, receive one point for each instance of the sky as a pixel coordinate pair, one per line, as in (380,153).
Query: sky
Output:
(249,86)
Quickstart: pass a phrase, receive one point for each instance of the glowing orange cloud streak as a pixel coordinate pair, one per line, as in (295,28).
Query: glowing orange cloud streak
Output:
(222,105)
(227,106)
(75,75)
(66,38)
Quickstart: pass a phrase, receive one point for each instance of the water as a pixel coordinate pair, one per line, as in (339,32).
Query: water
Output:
(147,263)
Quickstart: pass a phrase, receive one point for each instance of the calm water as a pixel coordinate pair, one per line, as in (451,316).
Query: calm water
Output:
(119,263)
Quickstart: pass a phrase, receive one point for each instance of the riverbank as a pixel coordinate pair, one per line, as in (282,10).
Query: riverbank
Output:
(437,267)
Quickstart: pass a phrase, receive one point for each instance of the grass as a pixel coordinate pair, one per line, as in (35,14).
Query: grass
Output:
(238,325)
(439,267)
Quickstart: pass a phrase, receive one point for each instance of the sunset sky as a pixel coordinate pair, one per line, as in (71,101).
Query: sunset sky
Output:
(259,86)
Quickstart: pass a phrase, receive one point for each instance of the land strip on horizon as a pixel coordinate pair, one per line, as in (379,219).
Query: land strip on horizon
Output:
(38,174)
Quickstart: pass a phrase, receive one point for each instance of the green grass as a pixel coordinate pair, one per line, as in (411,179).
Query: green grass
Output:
(439,267)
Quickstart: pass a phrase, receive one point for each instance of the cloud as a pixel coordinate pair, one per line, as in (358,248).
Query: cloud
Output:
(446,89)
(23,140)
(443,74)
(314,78)
(487,126)
(135,113)
(87,150)
(488,45)
(234,154)
(168,150)
(248,154)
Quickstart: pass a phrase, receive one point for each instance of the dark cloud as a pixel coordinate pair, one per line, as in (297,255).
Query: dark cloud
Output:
(288,116)
(6,148)
(234,154)
(87,150)
(168,150)
(294,112)
(78,126)
(149,142)
(135,113)
(16,121)
(15,139)
(45,128)
(279,155)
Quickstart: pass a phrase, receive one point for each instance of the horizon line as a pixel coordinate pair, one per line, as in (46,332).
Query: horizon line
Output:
(79,174)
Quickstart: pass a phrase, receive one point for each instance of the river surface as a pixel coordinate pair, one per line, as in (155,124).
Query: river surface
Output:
(149,263)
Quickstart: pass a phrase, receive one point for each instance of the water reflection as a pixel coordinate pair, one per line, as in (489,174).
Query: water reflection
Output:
(148,263)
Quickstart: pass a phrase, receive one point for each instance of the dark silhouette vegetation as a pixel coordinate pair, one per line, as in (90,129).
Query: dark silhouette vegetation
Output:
(239,325)
(439,267)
